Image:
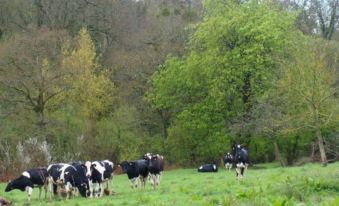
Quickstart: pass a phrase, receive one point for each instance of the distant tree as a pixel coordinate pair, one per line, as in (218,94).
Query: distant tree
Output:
(91,89)
(31,71)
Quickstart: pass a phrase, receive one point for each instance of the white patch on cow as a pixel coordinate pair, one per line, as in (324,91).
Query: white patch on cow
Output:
(240,165)
(26,174)
(99,167)
(109,162)
(200,167)
(62,170)
(214,167)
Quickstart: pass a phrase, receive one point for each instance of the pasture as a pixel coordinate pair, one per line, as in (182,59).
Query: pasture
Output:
(263,185)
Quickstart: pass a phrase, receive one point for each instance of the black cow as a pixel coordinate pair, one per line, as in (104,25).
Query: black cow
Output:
(228,161)
(29,179)
(155,167)
(101,172)
(82,171)
(136,170)
(67,177)
(241,160)
(208,168)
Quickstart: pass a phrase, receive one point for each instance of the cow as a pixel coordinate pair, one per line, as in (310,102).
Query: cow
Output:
(208,168)
(29,179)
(66,178)
(101,172)
(54,173)
(136,170)
(83,171)
(155,167)
(241,160)
(228,161)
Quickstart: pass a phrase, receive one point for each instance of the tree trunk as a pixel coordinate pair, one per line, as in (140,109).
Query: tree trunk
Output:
(321,147)
(164,123)
(277,152)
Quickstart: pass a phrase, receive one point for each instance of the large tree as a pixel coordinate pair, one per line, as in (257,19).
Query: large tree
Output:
(230,64)
(310,82)
(31,71)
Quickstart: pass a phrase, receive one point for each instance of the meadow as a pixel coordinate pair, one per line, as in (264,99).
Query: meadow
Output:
(266,184)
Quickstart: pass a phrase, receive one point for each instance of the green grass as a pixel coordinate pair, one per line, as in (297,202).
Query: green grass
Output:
(307,185)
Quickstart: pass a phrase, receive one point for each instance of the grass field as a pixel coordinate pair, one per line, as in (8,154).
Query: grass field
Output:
(269,185)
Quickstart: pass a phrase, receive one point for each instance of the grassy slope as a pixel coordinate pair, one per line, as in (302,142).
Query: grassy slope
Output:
(307,185)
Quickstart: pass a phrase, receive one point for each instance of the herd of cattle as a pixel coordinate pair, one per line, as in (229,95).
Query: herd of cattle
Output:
(89,179)
(93,179)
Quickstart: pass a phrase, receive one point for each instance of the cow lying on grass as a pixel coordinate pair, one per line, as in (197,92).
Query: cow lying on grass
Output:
(208,168)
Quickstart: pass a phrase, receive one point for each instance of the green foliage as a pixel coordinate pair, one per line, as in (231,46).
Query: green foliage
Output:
(230,65)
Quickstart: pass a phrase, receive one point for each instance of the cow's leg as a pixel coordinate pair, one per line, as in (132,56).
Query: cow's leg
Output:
(158,179)
(29,192)
(101,188)
(142,182)
(50,187)
(237,169)
(153,180)
(39,192)
(67,191)
(90,184)
(134,182)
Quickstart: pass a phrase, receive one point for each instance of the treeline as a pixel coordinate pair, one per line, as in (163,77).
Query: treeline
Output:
(114,79)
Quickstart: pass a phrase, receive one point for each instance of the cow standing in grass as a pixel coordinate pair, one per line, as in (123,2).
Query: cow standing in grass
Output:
(136,171)
(101,172)
(155,167)
(228,161)
(66,178)
(241,160)
(28,180)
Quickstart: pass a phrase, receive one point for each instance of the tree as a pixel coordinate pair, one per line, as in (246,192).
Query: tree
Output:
(31,71)
(230,64)
(310,81)
(91,89)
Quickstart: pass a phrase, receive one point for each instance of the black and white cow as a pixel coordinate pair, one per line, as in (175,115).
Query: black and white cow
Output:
(155,167)
(54,174)
(228,161)
(136,170)
(66,177)
(101,172)
(208,168)
(82,171)
(241,160)
(29,179)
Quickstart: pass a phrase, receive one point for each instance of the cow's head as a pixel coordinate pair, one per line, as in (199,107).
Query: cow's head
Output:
(88,165)
(148,156)
(127,166)
(9,186)
(15,184)
(83,189)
